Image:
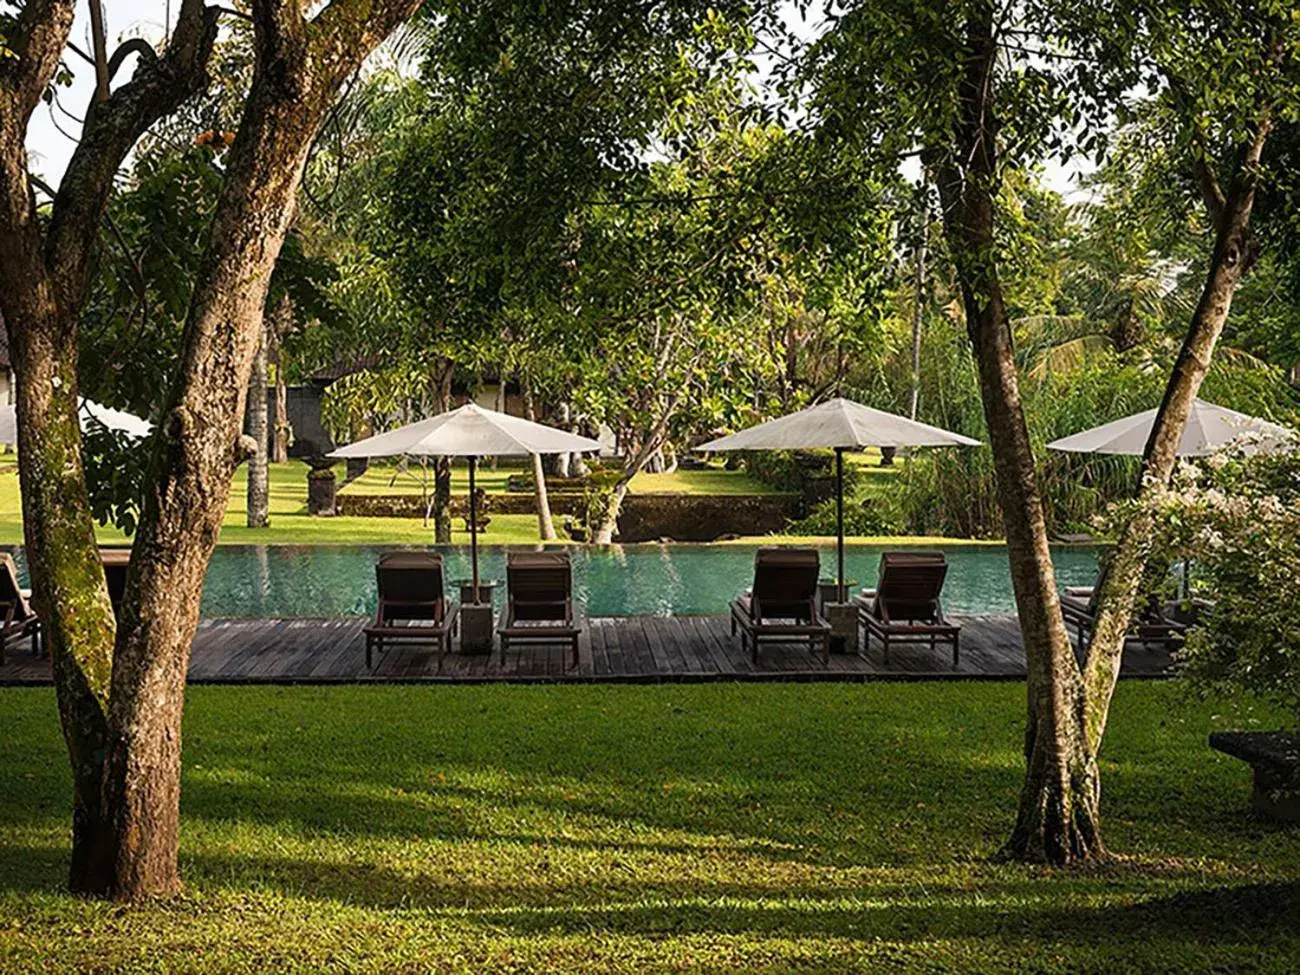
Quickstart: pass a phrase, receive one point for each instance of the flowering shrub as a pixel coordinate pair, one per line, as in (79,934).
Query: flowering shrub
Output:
(1238,518)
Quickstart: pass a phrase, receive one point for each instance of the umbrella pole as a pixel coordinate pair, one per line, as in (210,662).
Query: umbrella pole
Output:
(473,525)
(839,525)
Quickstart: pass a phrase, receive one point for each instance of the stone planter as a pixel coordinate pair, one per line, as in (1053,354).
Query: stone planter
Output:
(1275,758)
(322,492)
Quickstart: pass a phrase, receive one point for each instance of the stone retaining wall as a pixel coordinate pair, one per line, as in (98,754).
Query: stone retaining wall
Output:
(645,517)
(704,517)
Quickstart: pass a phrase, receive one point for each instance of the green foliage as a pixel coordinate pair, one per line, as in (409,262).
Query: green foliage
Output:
(955,492)
(1238,517)
(374,400)
(788,470)
(873,513)
(146,262)
(117,470)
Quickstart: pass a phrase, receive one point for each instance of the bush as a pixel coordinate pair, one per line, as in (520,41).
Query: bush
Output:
(1238,518)
(862,516)
(790,471)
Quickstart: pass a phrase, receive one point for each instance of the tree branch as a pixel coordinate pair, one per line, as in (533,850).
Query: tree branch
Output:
(112,127)
(99,46)
(37,41)
(135,45)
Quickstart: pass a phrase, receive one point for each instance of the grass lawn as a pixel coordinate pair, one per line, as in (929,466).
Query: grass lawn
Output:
(707,828)
(386,479)
(291,525)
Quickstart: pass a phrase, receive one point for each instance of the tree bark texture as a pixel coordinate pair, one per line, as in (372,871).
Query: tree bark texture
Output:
(545,524)
(604,532)
(282,324)
(1233,255)
(918,309)
(259,473)
(44,275)
(442,465)
(299,66)
(1057,820)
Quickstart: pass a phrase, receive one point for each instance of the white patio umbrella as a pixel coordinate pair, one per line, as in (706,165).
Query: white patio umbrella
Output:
(1209,428)
(471,432)
(119,420)
(841,425)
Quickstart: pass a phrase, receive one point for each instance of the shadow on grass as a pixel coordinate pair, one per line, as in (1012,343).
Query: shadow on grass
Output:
(1259,916)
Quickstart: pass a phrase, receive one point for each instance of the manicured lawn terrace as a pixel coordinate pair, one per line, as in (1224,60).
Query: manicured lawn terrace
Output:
(627,829)
(291,525)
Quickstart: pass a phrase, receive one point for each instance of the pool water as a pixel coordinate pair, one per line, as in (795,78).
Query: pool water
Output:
(630,580)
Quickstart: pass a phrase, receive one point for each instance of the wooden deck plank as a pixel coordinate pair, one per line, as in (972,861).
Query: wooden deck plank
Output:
(623,648)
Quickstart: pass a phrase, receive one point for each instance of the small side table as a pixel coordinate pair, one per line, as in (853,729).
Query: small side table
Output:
(486,590)
(843,618)
(476,634)
(476,619)
(827,594)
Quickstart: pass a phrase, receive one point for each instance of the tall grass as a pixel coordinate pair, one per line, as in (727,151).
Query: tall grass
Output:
(954,492)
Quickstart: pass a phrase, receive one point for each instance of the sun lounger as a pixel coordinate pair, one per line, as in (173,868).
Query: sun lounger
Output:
(782,606)
(905,607)
(411,592)
(20,620)
(1154,625)
(539,601)
(116,561)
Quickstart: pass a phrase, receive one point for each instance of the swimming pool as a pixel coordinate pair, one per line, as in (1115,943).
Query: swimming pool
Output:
(630,580)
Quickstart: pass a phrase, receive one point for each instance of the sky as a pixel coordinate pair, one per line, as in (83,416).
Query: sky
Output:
(48,136)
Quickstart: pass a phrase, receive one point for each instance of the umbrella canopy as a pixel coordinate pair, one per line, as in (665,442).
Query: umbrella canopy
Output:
(470,431)
(118,420)
(842,425)
(473,432)
(839,423)
(1209,428)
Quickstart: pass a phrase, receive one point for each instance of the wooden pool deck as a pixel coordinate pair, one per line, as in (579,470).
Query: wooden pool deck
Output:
(642,649)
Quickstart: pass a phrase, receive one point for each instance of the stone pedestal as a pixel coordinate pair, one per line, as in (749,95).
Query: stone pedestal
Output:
(485,589)
(828,593)
(322,490)
(476,634)
(843,618)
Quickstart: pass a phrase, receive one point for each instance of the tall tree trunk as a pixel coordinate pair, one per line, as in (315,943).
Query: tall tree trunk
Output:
(442,465)
(1234,254)
(62,557)
(44,275)
(608,525)
(299,66)
(259,474)
(1058,820)
(918,309)
(1058,817)
(281,325)
(545,525)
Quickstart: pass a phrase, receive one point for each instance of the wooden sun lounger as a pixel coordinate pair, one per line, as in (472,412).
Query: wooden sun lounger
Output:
(782,606)
(905,607)
(20,620)
(1154,626)
(539,601)
(411,591)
